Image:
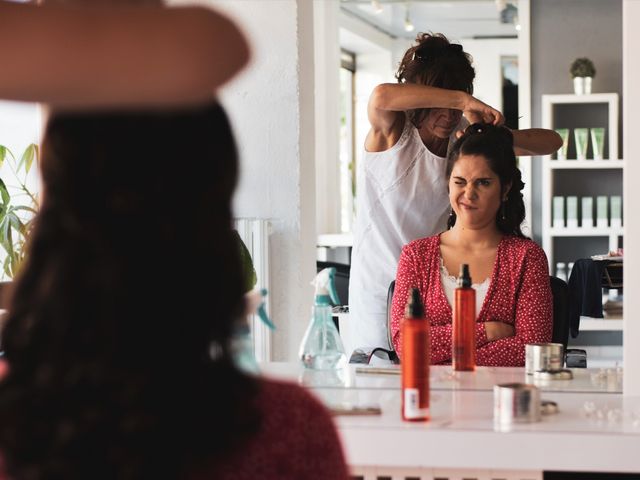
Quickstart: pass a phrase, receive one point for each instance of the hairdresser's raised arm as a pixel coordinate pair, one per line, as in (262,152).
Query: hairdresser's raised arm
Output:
(536,141)
(389,101)
(116,56)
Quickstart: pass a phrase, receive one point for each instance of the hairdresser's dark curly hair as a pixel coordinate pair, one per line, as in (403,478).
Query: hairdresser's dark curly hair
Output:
(435,62)
(496,145)
(133,274)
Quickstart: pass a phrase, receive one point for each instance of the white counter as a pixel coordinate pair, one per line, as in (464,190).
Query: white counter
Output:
(443,378)
(461,432)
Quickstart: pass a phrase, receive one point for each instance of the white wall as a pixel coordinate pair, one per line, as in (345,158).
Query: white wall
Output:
(327,81)
(486,59)
(271,108)
(373,66)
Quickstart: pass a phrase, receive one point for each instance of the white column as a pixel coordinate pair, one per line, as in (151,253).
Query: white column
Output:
(631,146)
(271,106)
(327,96)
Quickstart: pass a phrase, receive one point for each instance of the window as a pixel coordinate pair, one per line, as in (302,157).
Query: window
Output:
(347,143)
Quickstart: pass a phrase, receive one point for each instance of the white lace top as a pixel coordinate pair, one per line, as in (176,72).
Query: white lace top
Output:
(449,285)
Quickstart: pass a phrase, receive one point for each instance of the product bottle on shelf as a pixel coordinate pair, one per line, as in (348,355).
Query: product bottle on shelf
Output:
(415,361)
(561,271)
(464,322)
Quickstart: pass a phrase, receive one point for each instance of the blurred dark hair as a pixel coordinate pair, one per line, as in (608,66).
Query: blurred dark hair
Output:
(435,62)
(133,278)
(496,145)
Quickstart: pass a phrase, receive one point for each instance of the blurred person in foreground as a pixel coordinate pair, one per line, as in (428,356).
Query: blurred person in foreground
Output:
(112,54)
(118,337)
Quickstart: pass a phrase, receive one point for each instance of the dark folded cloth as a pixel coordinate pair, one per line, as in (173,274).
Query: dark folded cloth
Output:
(585,292)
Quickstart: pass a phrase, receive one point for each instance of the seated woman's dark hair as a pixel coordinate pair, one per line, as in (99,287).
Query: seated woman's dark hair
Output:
(133,278)
(496,145)
(435,62)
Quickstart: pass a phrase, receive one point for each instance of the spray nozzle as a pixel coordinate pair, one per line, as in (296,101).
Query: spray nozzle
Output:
(255,305)
(262,311)
(464,280)
(325,287)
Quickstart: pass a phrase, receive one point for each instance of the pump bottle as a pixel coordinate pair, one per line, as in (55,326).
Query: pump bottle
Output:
(464,322)
(321,347)
(415,361)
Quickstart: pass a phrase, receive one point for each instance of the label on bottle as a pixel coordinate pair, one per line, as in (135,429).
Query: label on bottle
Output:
(412,408)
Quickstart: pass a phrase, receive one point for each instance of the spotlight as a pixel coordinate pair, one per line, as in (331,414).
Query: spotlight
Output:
(377,6)
(408,25)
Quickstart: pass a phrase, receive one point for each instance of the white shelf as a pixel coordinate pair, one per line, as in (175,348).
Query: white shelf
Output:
(600,324)
(335,240)
(586,231)
(550,167)
(572,98)
(584,164)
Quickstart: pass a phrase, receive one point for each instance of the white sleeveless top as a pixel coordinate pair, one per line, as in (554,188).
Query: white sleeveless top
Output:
(402,195)
(449,284)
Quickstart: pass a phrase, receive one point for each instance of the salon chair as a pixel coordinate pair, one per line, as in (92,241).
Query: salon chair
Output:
(560,293)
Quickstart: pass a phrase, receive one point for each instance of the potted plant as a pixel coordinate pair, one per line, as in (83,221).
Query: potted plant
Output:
(18,206)
(582,71)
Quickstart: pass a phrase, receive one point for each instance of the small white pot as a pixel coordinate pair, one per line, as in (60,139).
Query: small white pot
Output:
(587,85)
(582,85)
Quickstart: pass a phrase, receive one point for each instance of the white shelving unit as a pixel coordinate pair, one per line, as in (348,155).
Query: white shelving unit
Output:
(550,166)
(604,324)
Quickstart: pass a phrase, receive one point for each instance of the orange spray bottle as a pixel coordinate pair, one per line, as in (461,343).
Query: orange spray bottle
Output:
(464,323)
(415,361)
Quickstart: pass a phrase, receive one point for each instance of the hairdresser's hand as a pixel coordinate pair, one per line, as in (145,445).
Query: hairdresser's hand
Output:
(476,111)
(497,330)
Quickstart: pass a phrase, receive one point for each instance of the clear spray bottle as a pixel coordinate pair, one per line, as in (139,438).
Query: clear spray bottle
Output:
(321,347)
(464,323)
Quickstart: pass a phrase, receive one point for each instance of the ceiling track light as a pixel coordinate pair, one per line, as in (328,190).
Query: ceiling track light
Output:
(408,25)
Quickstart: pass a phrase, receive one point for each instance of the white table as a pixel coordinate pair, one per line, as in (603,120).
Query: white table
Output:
(461,441)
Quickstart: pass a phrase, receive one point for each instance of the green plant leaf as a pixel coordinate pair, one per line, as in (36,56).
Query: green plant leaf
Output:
(27,157)
(6,266)
(3,154)
(248,271)
(15,221)
(25,208)
(6,239)
(4,193)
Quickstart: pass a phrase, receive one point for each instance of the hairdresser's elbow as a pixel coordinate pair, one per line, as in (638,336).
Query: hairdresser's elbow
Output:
(382,96)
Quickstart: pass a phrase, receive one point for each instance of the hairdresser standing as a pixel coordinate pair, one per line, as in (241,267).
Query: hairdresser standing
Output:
(401,180)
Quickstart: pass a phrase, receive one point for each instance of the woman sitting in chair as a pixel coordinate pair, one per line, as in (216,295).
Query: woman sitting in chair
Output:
(509,271)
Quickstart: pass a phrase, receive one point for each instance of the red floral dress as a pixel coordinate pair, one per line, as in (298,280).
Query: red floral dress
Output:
(519,294)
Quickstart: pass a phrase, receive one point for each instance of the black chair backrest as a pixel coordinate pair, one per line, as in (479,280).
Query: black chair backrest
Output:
(392,286)
(560,293)
(342,278)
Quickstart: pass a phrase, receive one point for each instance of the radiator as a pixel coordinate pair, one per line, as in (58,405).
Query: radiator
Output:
(255,235)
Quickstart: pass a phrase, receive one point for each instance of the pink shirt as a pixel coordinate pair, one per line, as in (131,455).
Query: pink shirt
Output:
(297,440)
(519,294)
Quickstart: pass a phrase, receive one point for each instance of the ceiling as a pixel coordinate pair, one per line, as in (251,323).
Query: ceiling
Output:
(455,18)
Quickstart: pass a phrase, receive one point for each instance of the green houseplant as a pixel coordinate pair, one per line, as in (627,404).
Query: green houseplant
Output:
(18,206)
(582,70)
